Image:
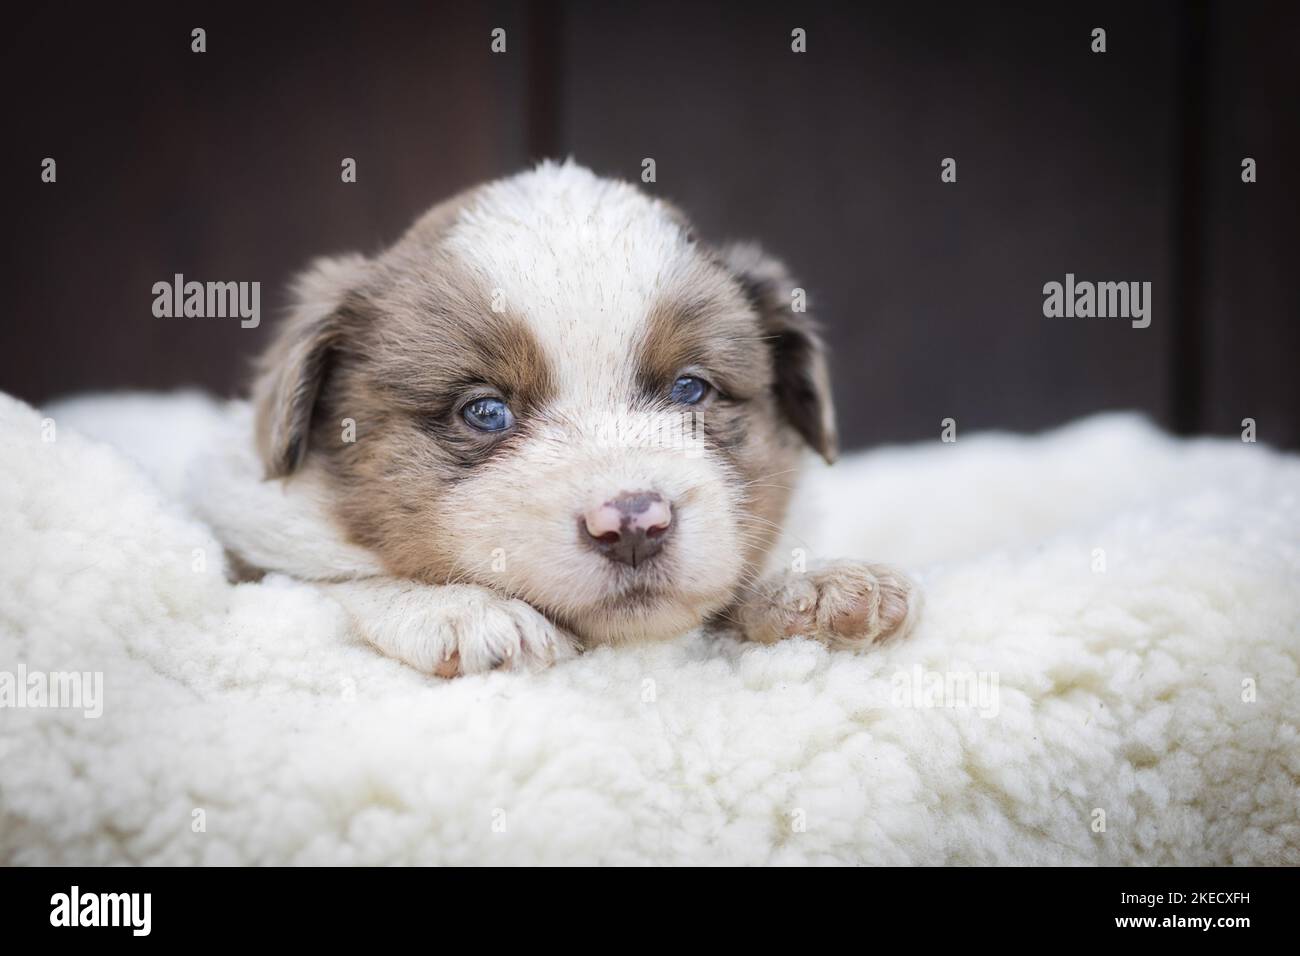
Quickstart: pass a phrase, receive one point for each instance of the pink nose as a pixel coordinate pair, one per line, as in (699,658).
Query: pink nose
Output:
(630,528)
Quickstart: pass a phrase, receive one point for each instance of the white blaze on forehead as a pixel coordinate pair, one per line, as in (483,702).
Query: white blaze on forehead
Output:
(581,259)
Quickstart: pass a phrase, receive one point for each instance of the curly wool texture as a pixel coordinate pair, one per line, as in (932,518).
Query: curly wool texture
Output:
(1126,691)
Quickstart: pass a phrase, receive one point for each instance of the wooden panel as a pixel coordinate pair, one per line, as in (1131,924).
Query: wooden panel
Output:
(1252,308)
(225,166)
(933,292)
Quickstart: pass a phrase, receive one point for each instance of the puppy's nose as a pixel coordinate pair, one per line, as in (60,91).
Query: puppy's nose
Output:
(630,528)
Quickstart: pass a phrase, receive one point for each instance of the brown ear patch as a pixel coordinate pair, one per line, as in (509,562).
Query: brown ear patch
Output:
(802,384)
(284,429)
(290,372)
(803,388)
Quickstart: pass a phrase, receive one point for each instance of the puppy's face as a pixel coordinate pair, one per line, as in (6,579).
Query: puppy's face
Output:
(549,388)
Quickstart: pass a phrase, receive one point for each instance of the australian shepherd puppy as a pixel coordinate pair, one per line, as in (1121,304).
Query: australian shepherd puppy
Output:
(552,417)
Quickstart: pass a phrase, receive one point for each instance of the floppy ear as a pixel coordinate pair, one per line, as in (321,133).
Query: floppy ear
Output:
(803,384)
(290,372)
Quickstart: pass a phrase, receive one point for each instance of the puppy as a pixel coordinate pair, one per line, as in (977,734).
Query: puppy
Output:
(556,419)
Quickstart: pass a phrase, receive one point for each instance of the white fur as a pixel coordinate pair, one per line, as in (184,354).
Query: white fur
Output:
(584,258)
(549,480)
(202,455)
(459,627)
(1119,691)
(282,525)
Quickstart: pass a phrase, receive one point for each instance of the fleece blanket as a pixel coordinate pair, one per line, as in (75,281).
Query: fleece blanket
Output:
(1105,672)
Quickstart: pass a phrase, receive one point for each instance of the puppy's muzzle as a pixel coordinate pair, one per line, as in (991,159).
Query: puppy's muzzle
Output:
(630,529)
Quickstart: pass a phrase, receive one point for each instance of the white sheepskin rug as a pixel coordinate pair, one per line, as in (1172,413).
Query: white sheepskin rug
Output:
(1105,672)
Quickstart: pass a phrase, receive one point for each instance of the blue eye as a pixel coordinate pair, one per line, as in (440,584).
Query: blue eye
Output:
(488,415)
(689,390)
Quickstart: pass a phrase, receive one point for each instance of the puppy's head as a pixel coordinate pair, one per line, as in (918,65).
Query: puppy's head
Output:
(550,388)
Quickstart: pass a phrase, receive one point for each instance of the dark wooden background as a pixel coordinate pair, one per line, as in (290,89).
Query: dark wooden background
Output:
(1122,166)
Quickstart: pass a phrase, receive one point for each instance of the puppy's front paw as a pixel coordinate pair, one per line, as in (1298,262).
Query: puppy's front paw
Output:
(845,604)
(477,631)
(457,629)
